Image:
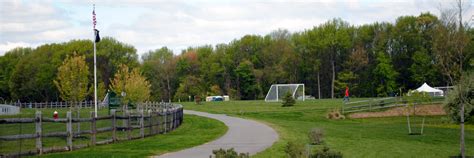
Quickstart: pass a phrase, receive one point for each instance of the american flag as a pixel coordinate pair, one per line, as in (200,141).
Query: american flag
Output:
(94,20)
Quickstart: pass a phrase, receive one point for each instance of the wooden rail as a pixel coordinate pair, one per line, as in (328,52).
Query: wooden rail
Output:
(158,121)
(375,104)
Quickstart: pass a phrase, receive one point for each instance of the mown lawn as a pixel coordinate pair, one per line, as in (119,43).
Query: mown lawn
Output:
(374,137)
(194,131)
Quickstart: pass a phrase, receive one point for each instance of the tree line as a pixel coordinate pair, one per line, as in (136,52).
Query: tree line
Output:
(377,59)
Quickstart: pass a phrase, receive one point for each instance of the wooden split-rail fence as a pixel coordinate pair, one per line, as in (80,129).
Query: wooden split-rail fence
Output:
(381,103)
(157,121)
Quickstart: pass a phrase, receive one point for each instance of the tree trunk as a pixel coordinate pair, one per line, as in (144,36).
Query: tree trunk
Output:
(462,131)
(333,78)
(78,115)
(319,88)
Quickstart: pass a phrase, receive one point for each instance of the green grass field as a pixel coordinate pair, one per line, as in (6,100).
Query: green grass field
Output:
(183,137)
(374,137)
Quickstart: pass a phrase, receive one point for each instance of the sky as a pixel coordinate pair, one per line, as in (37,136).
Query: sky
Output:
(179,24)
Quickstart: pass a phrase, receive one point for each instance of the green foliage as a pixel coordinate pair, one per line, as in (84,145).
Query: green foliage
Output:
(345,78)
(385,75)
(374,59)
(463,94)
(229,153)
(215,90)
(33,76)
(294,149)
(135,86)
(450,49)
(28,73)
(190,86)
(72,79)
(110,55)
(159,67)
(413,98)
(288,100)
(326,153)
(423,69)
(315,136)
(101,90)
(246,80)
(7,66)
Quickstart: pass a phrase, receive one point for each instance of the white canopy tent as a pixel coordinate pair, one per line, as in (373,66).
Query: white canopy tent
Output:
(430,90)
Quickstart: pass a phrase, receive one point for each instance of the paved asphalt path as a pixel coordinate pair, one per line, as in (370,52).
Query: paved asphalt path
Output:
(243,135)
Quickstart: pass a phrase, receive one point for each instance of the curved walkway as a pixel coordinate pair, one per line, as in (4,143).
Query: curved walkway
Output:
(245,136)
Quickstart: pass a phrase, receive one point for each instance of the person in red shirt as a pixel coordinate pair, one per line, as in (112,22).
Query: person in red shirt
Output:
(346,96)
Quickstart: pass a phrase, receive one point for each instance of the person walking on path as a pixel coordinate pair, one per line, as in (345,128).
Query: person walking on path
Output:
(346,96)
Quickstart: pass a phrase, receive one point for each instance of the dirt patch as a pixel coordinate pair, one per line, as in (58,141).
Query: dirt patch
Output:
(427,110)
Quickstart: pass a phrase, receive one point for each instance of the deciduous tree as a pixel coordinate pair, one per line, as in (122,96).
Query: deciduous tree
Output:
(72,79)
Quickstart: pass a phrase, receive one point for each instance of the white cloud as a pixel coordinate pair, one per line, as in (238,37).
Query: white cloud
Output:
(9,46)
(149,24)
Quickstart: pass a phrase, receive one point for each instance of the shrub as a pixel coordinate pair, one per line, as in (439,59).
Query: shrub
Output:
(229,153)
(288,100)
(334,114)
(316,136)
(294,149)
(198,100)
(326,153)
(462,93)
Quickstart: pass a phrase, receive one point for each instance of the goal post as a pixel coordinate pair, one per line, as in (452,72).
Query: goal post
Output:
(278,91)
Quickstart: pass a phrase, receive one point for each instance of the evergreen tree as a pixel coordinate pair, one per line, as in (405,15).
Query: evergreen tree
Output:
(288,100)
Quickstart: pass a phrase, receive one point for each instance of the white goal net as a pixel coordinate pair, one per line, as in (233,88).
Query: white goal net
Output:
(278,91)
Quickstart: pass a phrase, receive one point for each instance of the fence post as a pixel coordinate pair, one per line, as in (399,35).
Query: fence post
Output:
(150,122)
(174,118)
(178,122)
(78,112)
(165,112)
(93,128)
(129,125)
(114,125)
(180,116)
(370,106)
(69,130)
(39,144)
(170,123)
(343,105)
(142,129)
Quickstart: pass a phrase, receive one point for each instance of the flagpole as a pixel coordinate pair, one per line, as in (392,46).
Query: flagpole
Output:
(95,68)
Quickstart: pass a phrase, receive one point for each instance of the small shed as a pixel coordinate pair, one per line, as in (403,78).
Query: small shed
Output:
(430,90)
(9,109)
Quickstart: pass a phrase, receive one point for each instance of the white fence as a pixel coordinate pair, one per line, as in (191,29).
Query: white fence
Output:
(83,104)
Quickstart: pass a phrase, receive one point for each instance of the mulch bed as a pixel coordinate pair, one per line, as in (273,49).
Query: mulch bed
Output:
(423,110)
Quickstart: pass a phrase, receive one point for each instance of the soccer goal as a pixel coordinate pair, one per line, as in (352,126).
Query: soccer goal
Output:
(278,91)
